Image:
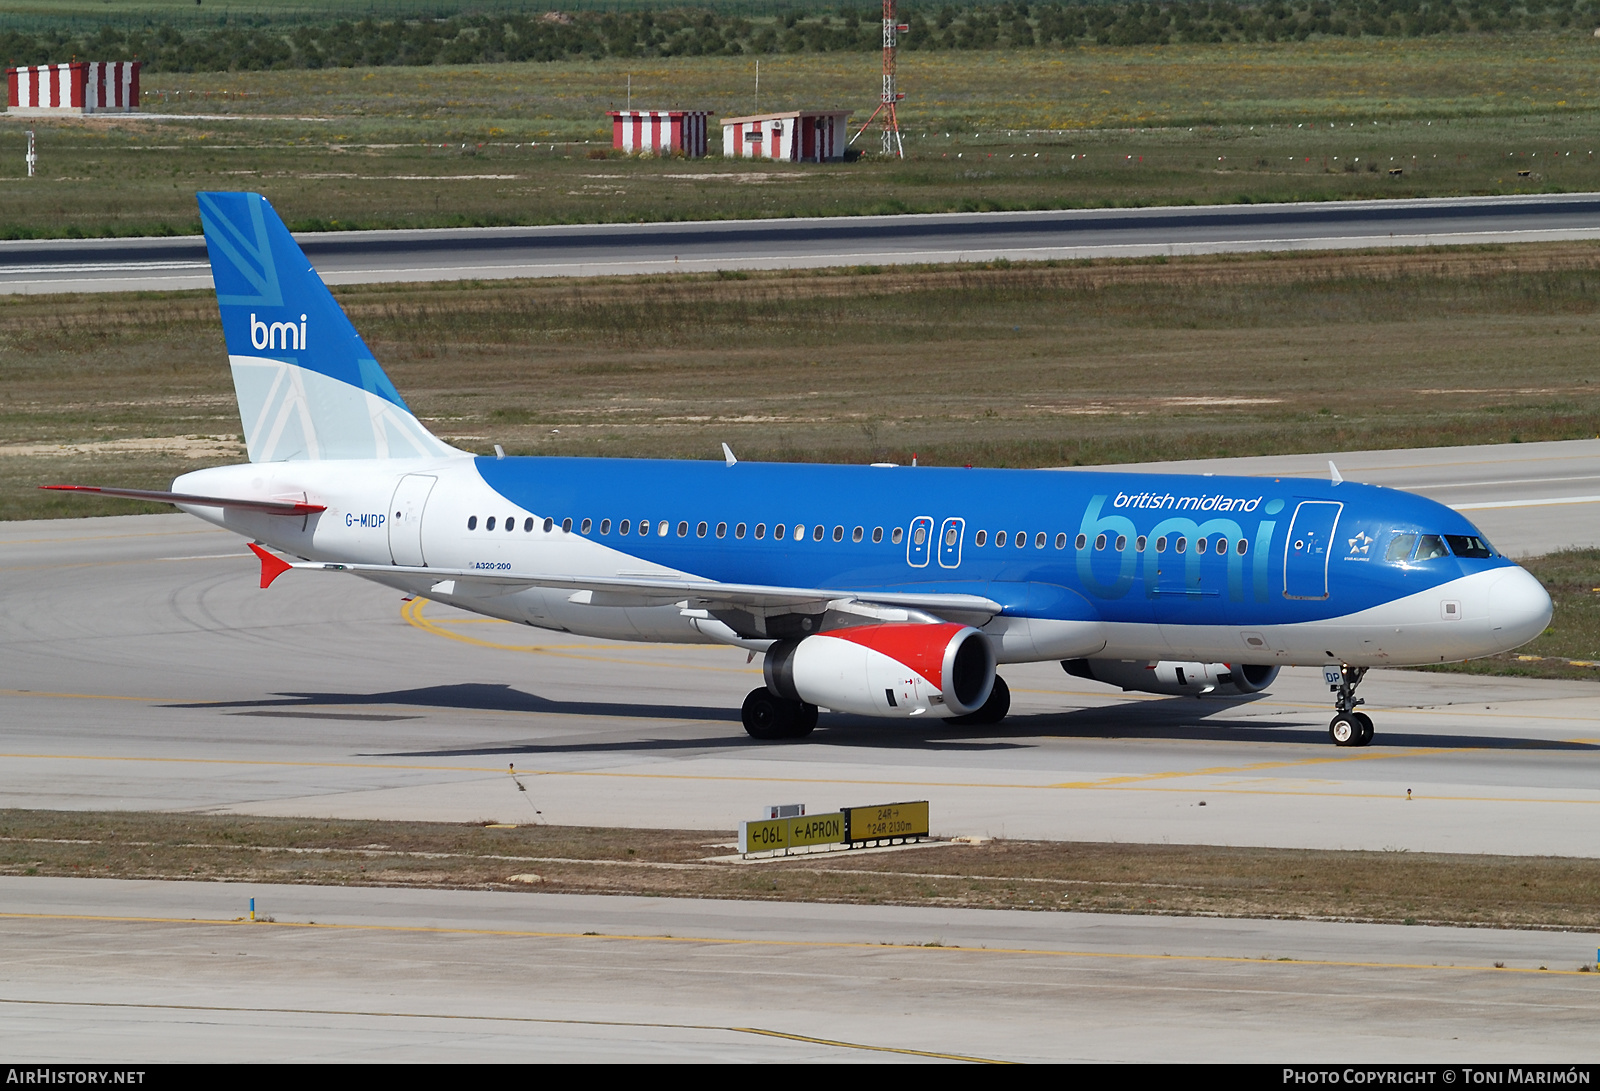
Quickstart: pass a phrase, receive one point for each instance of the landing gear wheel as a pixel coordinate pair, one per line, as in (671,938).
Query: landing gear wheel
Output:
(766,716)
(1345,730)
(1349,727)
(769,717)
(993,710)
(804,721)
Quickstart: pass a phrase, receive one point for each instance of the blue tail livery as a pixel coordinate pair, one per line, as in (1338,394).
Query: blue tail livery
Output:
(882,591)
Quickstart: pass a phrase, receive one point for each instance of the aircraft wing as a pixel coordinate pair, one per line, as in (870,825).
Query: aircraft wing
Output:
(649,590)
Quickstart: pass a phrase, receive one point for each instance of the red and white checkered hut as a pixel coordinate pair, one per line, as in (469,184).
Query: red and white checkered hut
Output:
(797,136)
(81,87)
(660,132)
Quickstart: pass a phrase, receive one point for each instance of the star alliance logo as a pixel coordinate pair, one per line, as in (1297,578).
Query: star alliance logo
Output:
(1360,543)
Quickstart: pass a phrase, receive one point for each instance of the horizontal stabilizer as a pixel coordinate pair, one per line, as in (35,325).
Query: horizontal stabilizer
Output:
(271,507)
(271,566)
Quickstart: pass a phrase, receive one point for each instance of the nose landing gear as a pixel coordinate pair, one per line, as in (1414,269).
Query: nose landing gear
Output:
(1348,727)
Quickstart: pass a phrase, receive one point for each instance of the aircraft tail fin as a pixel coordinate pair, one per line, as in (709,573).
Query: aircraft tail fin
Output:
(308,386)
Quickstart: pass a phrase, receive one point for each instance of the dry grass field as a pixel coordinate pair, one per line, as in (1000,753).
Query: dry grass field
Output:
(1391,887)
(1079,363)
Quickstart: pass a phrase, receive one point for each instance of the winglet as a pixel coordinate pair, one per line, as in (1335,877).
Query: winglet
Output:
(727,455)
(1333,471)
(271,566)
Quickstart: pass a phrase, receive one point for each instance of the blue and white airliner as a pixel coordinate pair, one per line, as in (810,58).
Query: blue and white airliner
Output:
(886,591)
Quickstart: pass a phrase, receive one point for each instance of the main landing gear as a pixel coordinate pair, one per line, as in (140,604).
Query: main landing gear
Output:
(767,716)
(1348,727)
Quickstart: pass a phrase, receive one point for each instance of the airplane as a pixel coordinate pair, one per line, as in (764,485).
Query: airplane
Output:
(885,591)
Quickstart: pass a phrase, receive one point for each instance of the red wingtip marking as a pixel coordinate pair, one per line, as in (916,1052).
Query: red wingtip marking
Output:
(271,566)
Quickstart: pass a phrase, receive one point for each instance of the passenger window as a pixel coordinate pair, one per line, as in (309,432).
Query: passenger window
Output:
(700,530)
(761,531)
(1161,544)
(588,525)
(644,528)
(511,523)
(489,523)
(605,526)
(980,538)
(1081,541)
(800,532)
(817,532)
(1431,547)
(877,534)
(777,532)
(548,524)
(857,534)
(738,531)
(1040,538)
(1138,544)
(1400,547)
(896,535)
(1469,545)
(1061,541)
(1099,542)
(472,522)
(1122,542)
(1183,543)
(1242,548)
(1000,538)
(1022,539)
(683,528)
(1199,545)
(624,526)
(722,530)
(838,534)
(661,529)
(566,526)
(920,536)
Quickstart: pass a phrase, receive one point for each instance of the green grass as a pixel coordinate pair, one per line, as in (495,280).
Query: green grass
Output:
(502,144)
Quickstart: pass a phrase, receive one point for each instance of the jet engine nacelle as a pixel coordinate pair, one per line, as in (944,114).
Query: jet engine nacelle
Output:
(895,669)
(1176,679)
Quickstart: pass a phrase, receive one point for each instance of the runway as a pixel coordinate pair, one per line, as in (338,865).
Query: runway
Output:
(141,667)
(135,972)
(583,250)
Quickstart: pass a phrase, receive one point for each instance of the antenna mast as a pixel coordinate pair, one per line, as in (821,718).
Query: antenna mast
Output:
(892,144)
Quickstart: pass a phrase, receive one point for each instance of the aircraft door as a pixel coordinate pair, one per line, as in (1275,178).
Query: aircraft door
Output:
(917,542)
(950,536)
(405,519)
(1306,554)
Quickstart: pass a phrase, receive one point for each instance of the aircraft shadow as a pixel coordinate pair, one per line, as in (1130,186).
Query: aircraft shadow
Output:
(1177,719)
(473,697)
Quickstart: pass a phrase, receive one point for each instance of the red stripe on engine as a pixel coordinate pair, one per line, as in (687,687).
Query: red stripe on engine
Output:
(920,647)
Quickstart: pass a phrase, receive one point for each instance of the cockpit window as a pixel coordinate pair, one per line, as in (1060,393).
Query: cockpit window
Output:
(1430,547)
(1468,545)
(1400,548)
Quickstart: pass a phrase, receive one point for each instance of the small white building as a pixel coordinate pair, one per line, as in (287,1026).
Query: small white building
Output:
(661,132)
(81,87)
(796,136)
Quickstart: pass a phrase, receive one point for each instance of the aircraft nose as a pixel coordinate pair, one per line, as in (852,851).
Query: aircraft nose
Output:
(1519,608)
